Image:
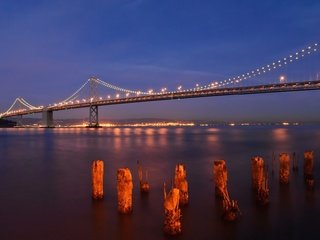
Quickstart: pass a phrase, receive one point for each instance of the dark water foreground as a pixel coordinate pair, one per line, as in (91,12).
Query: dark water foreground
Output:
(45,182)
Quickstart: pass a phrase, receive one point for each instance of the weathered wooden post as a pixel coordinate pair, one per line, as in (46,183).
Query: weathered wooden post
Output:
(172,222)
(230,207)
(144,185)
(220,177)
(180,182)
(284,171)
(97,179)
(308,168)
(124,187)
(260,180)
(257,172)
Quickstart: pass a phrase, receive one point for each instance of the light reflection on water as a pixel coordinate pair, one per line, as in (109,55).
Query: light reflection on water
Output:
(280,134)
(46,182)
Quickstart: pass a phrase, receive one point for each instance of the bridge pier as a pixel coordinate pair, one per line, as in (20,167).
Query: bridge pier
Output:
(47,119)
(19,121)
(93,116)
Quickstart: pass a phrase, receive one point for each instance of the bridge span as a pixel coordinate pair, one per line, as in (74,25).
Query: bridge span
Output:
(93,105)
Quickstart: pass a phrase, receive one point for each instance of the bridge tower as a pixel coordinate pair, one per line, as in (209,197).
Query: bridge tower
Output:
(93,109)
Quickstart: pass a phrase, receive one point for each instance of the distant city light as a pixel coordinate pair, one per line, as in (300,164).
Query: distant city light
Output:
(282,79)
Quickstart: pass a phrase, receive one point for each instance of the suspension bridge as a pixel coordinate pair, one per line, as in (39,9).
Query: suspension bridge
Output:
(229,86)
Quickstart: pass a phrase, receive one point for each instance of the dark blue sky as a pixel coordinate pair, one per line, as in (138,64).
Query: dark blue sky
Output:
(49,49)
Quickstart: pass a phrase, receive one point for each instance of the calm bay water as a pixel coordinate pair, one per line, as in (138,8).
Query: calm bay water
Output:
(45,182)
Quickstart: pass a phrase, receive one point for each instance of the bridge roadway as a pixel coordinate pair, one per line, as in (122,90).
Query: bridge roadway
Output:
(271,88)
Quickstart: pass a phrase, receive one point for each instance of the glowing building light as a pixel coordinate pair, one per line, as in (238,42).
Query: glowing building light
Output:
(282,79)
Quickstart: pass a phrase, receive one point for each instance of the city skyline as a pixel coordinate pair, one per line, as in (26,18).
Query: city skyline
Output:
(50,49)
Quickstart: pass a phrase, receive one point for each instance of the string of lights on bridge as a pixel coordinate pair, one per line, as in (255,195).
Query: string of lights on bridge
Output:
(24,103)
(234,80)
(217,84)
(266,68)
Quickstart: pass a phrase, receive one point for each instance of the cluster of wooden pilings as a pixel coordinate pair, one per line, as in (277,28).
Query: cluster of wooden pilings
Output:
(308,166)
(260,173)
(178,195)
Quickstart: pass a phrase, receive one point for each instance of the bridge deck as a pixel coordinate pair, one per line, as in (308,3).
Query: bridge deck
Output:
(259,89)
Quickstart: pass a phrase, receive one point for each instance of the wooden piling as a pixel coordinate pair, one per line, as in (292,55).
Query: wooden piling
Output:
(180,182)
(257,170)
(231,209)
(220,177)
(308,168)
(284,170)
(172,222)
(97,179)
(124,187)
(144,185)
(260,180)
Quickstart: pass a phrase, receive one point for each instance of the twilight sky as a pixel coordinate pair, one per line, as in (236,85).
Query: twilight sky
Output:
(48,49)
